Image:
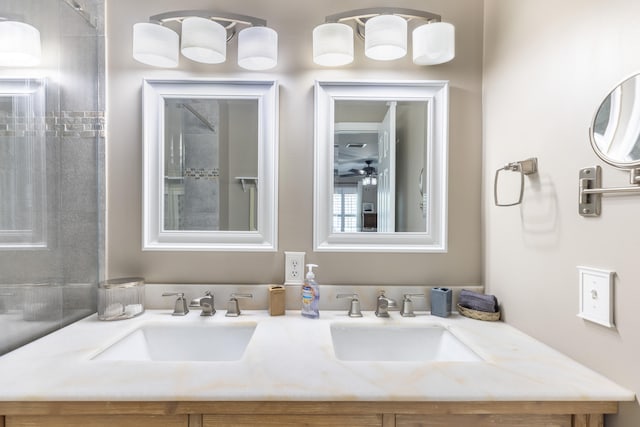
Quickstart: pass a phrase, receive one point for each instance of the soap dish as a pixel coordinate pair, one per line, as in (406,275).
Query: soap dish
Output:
(478,315)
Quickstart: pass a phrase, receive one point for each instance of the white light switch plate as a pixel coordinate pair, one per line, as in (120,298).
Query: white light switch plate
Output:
(596,295)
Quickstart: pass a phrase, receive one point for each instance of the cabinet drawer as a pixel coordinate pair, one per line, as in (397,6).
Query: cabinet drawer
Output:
(98,421)
(524,420)
(292,420)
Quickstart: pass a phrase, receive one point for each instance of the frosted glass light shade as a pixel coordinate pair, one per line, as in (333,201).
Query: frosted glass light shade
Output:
(155,45)
(434,43)
(385,37)
(257,48)
(19,44)
(333,44)
(204,40)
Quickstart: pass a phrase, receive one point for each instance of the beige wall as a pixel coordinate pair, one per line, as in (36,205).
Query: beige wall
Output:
(547,66)
(294,21)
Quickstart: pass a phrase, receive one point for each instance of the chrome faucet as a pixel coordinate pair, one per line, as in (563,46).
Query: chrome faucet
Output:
(180,307)
(233,308)
(383,304)
(354,308)
(407,305)
(206,303)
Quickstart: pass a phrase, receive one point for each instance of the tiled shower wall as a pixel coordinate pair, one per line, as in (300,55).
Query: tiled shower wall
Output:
(44,289)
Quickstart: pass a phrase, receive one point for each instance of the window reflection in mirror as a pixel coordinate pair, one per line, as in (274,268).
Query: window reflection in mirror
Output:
(379,159)
(210,144)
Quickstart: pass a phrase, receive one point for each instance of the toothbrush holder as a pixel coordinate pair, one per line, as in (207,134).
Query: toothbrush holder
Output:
(441,302)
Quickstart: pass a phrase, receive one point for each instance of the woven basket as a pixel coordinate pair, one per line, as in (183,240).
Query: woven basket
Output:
(478,315)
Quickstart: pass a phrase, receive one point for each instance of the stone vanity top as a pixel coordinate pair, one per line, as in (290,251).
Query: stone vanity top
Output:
(291,358)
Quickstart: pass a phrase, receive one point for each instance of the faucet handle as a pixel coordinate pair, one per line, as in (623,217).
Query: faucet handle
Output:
(407,304)
(234,295)
(233,308)
(354,308)
(180,308)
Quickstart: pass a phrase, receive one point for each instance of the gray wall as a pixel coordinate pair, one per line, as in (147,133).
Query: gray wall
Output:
(547,67)
(73,63)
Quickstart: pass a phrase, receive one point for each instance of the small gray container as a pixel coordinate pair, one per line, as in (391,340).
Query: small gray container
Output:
(441,302)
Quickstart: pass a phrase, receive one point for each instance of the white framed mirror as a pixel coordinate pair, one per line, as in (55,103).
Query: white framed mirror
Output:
(380,177)
(210,165)
(23,212)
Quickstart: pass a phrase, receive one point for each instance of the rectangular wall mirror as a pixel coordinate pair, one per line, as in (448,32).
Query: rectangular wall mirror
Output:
(22,164)
(210,165)
(381,166)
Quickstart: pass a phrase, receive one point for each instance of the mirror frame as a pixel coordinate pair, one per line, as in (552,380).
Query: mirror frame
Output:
(436,94)
(36,236)
(594,145)
(264,239)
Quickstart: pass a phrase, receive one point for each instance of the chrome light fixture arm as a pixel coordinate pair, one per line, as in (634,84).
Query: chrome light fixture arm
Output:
(228,20)
(360,16)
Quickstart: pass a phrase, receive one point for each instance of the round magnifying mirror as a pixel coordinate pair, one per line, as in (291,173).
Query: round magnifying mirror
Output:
(615,131)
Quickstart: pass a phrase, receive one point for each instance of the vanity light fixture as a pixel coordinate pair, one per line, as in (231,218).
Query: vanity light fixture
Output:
(19,44)
(384,30)
(204,37)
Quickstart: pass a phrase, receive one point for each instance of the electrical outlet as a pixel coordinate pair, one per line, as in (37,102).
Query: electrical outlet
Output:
(294,268)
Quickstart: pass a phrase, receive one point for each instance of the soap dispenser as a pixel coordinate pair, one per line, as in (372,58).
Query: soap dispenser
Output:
(310,295)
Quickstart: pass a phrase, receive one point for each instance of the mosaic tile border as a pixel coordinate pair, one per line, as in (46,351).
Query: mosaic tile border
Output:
(201,173)
(74,124)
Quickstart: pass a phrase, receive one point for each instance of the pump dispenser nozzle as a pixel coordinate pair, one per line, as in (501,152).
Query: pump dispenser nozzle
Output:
(310,273)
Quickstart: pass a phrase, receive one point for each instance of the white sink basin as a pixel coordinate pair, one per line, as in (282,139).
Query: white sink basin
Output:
(394,343)
(162,342)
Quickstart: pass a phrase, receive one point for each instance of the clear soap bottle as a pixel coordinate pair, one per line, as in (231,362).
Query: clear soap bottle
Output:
(310,295)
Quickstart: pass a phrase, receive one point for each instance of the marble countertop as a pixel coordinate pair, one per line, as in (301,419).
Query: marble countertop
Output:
(291,358)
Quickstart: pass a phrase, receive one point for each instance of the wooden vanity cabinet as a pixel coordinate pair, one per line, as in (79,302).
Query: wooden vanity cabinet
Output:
(483,420)
(292,420)
(97,421)
(312,414)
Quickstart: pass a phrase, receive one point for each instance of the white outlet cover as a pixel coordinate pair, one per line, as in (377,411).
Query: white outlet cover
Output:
(596,295)
(294,268)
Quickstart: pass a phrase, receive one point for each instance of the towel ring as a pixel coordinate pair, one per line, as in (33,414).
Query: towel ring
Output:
(524,167)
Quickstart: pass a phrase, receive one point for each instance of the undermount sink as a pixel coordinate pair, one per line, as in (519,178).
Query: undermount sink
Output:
(395,343)
(205,343)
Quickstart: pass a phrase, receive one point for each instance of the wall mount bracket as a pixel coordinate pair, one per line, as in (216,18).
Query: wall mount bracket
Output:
(590,189)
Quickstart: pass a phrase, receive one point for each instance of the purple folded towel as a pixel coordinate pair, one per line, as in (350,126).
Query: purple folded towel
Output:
(479,302)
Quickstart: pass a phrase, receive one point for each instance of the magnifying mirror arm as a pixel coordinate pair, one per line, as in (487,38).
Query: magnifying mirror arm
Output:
(591,190)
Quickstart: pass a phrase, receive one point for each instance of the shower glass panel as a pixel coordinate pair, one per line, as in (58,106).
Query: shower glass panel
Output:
(52,149)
